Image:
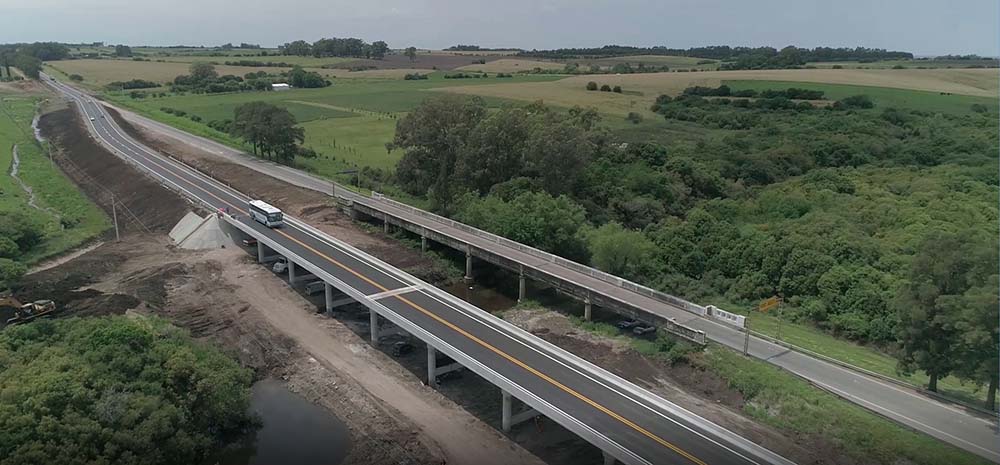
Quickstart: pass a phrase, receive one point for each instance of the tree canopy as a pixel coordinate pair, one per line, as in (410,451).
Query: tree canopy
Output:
(270,129)
(115,390)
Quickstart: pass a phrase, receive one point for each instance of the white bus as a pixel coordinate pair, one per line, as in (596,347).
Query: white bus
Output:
(265,214)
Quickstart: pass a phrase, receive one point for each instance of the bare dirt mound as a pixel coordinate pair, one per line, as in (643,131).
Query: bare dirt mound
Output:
(144,204)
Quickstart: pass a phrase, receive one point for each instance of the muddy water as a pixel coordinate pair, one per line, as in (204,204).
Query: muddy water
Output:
(481,296)
(294,432)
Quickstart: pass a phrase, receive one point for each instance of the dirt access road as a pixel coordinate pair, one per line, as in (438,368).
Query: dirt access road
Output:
(225,298)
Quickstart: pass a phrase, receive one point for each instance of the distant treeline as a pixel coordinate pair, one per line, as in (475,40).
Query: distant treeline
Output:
(476,48)
(724,52)
(29,57)
(336,47)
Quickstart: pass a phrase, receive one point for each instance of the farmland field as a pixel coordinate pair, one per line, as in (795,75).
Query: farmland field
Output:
(98,73)
(348,123)
(512,65)
(908,64)
(645,87)
(650,60)
(884,97)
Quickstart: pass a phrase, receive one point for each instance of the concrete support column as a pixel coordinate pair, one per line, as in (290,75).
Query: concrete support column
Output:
(291,272)
(608,458)
(505,418)
(431,366)
(423,243)
(587,314)
(521,289)
(468,264)
(374,325)
(385,223)
(260,253)
(329,296)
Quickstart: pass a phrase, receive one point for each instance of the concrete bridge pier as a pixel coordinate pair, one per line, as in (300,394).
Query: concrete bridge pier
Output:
(291,272)
(468,264)
(587,310)
(385,223)
(374,326)
(423,243)
(609,459)
(433,371)
(328,291)
(509,419)
(521,288)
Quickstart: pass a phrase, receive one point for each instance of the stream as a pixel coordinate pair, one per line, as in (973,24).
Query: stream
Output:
(294,432)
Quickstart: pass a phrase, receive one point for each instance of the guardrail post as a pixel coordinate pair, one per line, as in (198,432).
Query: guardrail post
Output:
(431,366)
(521,289)
(373,317)
(587,310)
(505,416)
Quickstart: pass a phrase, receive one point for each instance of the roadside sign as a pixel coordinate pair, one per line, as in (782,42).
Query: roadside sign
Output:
(769,304)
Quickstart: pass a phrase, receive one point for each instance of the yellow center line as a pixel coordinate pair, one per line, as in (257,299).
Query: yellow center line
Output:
(475,339)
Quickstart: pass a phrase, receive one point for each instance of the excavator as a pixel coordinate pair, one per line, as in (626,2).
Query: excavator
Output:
(24,313)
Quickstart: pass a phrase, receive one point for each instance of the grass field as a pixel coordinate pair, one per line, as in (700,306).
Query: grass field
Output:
(305,62)
(348,123)
(98,73)
(907,64)
(674,62)
(67,217)
(645,87)
(512,65)
(884,97)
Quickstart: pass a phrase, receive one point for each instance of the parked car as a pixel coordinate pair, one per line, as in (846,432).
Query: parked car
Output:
(627,324)
(643,329)
(401,348)
(280,266)
(315,287)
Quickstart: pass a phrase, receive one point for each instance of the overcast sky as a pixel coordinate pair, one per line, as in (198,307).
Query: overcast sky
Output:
(925,27)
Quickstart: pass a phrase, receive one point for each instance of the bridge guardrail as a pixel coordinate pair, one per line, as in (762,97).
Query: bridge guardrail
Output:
(579,268)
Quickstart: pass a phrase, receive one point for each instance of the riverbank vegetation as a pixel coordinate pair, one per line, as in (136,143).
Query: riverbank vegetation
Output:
(119,390)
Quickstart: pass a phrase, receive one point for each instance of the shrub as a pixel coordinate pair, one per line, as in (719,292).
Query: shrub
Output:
(617,89)
(195,118)
(854,101)
(591,85)
(415,77)
(980,108)
(634,117)
(75,78)
(605,88)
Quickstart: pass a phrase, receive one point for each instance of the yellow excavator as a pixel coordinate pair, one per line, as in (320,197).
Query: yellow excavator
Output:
(24,313)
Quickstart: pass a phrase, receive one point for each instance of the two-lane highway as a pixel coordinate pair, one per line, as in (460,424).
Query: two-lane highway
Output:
(624,420)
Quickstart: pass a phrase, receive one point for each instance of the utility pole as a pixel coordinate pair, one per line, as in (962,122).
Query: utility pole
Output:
(114,216)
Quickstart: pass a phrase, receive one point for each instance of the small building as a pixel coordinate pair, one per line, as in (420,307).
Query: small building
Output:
(280,86)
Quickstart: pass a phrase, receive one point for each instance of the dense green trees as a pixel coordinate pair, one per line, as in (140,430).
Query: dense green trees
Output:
(411,53)
(453,144)
(948,308)
(270,129)
(29,65)
(336,47)
(123,51)
(301,78)
(742,201)
(115,390)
